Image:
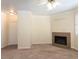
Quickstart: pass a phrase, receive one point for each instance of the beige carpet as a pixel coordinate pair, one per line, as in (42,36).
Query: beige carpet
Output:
(38,52)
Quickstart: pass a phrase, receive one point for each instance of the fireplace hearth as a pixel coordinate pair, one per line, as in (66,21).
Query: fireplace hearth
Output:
(61,39)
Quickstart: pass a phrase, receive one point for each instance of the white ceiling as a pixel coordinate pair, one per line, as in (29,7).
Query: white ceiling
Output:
(33,5)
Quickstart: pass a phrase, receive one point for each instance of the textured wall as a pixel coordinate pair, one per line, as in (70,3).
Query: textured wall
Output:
(65,22)
(4,30)
(41,29)
(24,29)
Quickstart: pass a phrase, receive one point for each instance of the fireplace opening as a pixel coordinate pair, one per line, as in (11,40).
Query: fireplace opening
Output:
(61,40)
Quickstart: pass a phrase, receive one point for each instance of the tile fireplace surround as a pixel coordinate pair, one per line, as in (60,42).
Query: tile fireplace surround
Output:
(62,34)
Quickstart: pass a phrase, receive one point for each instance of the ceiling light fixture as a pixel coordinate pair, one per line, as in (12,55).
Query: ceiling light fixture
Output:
(50,3)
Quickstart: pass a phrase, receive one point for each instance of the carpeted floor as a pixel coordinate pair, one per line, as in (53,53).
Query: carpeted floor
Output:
(38,52)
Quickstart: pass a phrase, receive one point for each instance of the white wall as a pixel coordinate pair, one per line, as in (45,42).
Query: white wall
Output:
(35,29)
(22,33)
(41,30)
(24,29)
(76,31)
(12,34)
(12,29)
(4,33)
(64,22)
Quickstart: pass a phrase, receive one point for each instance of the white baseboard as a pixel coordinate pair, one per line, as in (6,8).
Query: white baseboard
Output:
(24,47)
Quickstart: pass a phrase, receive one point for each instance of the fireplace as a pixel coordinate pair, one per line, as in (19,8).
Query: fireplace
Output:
(61,39)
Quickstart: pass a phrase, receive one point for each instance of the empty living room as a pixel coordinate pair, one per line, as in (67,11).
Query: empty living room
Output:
(39,29)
